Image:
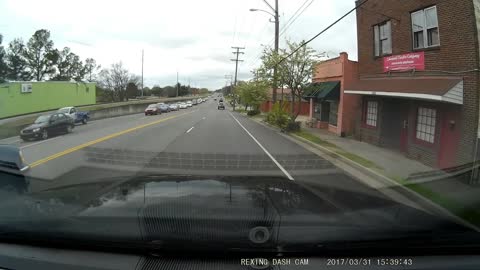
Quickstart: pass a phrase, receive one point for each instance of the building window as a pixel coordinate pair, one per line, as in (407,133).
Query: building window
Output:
(333,114)
(371,113)
(383,38)
(426,121)
(425,28)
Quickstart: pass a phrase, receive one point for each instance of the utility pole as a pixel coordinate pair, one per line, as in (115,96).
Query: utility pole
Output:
(142,73)
(237,53)
(177,83)
(277,26)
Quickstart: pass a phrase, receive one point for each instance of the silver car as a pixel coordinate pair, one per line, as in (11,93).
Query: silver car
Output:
(173,106)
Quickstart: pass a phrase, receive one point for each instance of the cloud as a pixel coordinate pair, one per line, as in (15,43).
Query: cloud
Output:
(191,37)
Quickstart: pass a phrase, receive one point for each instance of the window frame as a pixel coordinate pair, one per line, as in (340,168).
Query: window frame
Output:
(377,30)
(425,29)
(435,134)
(365,114)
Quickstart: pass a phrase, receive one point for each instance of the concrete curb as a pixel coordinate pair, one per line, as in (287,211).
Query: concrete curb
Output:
(385,181)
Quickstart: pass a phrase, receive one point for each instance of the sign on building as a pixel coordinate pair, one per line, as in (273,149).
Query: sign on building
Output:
(404,62)
(26,88)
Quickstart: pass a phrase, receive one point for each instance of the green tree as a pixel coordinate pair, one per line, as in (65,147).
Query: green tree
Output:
(3,63)
(156,90)
(294,72)
(17,64)
(252,93)
(132,90)
(40,55)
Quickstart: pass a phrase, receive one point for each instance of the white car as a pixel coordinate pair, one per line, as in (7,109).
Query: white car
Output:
(173,107)
(182,105)
(200,100)
(189,103)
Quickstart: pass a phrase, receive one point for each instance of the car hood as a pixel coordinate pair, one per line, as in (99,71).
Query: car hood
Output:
(237,212)
(33,126)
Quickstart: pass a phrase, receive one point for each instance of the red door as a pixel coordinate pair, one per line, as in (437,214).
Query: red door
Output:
(449,137)
(404,134)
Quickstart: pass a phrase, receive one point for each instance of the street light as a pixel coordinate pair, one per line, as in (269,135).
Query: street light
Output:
(277,25)
(256,9)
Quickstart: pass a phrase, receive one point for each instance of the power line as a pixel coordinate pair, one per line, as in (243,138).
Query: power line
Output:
(298,15)
(323,31)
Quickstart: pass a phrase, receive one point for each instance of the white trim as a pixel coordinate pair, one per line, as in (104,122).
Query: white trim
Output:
(408,95)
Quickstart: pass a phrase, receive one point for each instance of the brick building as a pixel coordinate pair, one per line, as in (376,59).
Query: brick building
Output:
(419,79)
(329,106)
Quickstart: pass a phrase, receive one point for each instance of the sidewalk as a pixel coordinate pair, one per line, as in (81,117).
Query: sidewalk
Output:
(392,163)
(443,189)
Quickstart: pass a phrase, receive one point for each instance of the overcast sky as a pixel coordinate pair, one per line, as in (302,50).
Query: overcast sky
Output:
(191,37)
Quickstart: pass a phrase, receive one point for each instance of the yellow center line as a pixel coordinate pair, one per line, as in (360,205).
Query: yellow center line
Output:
(108,137)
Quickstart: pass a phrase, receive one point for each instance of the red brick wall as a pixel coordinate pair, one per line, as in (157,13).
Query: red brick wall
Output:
(304,108)
(458,50)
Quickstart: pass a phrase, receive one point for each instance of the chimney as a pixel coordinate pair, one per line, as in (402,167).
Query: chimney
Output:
(344,56)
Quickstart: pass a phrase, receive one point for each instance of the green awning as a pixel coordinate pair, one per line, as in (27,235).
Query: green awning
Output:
(325,91)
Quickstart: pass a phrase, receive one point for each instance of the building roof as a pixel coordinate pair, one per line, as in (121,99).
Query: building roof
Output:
(428,88)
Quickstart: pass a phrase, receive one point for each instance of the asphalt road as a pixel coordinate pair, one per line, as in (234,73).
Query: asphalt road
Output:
(200,140)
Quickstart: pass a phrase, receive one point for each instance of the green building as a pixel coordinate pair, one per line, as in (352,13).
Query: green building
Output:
(17,98)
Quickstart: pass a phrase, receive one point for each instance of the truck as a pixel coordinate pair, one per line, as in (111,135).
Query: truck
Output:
(77,116)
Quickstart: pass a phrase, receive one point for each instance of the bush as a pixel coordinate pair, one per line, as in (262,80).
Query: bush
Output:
(293,126)
(278,117)
(253,112)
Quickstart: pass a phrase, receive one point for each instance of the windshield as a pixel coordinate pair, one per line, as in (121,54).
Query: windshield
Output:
(65,110)
(341,121)
(42,119)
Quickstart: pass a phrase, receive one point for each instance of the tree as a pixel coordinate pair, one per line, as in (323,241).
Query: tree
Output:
(40,55)
(16,62)
(90,68)
(3,63)
(252,93)
(115,80)
(294,72)
(156,90)
(69,66)
(132,90)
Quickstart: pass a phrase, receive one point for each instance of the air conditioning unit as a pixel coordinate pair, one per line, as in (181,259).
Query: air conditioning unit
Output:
(26,88)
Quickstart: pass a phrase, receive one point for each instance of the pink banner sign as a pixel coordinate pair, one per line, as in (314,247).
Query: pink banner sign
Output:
(407,61)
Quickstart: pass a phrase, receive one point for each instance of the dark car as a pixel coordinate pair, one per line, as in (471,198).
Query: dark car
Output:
(164,108)
(221,105)
(47,125)
(152,109)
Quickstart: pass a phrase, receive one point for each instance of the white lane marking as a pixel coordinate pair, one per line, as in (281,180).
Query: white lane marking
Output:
(265,150)
(40,142)
(188,131)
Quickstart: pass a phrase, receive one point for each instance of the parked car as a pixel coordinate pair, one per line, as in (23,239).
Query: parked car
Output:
(152,109)
(199,100)
(189,103)
(164,108)
(215,98)
(194,101)
(173,106)
(221,106)
(11,162)
(182,105)
(47,125)
(77,116)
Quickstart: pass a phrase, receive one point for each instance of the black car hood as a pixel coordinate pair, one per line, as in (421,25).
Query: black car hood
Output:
(33,126)
(238,212)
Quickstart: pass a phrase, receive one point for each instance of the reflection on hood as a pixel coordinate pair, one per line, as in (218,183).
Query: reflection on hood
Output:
(227,211)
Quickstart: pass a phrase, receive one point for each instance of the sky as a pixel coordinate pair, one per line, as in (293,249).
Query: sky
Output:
(193,38)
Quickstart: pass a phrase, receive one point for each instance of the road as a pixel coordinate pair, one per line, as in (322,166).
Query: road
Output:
(200,140)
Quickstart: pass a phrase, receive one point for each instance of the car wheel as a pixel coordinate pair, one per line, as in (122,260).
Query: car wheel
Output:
(84,121)
(69,129)
(44,134)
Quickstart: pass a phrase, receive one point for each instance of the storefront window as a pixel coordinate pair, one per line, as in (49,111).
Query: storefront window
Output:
(426,122)
(371,113)
(333,114)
